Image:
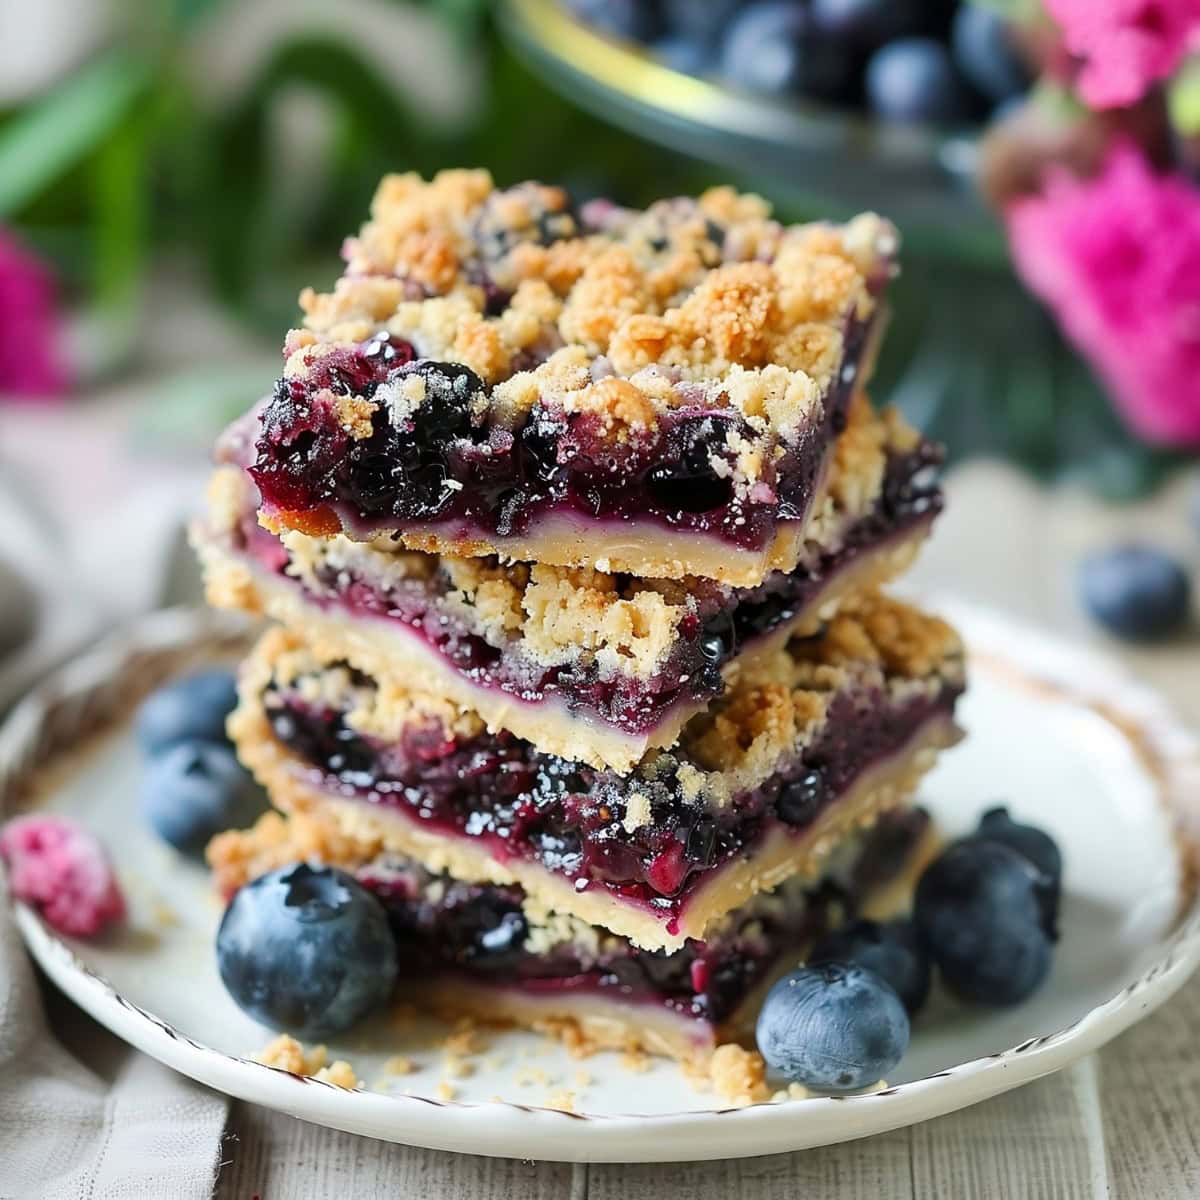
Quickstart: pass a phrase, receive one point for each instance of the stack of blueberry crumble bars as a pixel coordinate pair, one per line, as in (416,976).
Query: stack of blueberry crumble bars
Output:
(574,523)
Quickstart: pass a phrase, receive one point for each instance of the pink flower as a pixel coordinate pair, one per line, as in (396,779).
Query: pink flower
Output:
(1125,45)
(30,364)
(1117,258)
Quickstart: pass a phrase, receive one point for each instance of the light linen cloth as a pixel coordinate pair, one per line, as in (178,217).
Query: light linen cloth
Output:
(102,1123)
(82,1114)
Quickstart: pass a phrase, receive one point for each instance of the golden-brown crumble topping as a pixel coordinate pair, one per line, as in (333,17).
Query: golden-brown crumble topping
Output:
(694,287)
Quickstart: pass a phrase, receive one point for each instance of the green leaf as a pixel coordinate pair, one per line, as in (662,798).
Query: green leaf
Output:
(1183,99)
(45,140)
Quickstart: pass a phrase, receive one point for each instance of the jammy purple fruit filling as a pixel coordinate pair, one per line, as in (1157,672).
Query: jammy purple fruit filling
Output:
(571,818)
(446,462)
(481,932)
(724,624)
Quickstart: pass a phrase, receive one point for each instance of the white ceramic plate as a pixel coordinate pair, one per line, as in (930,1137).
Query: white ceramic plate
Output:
(1062,737)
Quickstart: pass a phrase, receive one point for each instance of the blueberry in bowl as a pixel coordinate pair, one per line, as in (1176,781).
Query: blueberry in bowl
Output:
(306,949)
(832,1026)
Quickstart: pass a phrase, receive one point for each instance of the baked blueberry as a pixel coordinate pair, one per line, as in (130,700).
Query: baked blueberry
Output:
(913,79)
(833,1026)
(686,478)
(194,789)
(1035,844)
(981,910)
(189,708)
(800,798)
(306,949)
(1135,591)
(892,950)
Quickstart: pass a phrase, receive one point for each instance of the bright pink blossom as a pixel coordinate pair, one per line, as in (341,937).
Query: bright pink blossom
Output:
(1125,45)
(29,327)
(1117,258)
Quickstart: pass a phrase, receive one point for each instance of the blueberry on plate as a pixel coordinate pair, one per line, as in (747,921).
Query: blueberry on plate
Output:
(1135,591)
(980,909)
(892,950)
(832,1026)
(775,49)
(193,790)
(982,44)
(306,949)
(189,708)
(914,80)
(1035,844)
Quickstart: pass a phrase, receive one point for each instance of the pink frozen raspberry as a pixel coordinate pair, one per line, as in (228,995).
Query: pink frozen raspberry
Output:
(60,868)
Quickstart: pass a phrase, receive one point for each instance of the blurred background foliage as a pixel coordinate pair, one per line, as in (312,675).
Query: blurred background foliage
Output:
(242,141)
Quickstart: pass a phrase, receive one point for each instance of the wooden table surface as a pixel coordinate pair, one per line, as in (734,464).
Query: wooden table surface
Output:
(1123,1123)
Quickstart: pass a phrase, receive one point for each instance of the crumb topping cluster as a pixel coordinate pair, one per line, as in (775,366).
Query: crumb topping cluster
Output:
(606,311)
(372,708)
(875,643)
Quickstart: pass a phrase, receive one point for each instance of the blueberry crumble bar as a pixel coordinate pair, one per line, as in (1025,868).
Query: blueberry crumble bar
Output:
(574,520)
(584,664)
(499,373)
(815,741)
(487,951)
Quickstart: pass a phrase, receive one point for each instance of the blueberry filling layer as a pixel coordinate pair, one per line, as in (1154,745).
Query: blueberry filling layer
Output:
(723,623)
(446,462)
(482,932)
(575,820)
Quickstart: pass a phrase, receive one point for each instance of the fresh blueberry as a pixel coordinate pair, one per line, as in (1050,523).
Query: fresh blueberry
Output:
(914,80)
(684,54)
(699,21)
(980,909)
(193,707)
(834,1026)
(1035,844)
(306,949)
(775,49)
(868,22)
(983,48)
(800,798)
(1135,591)
(893,951)
(193,790)
(636,20)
